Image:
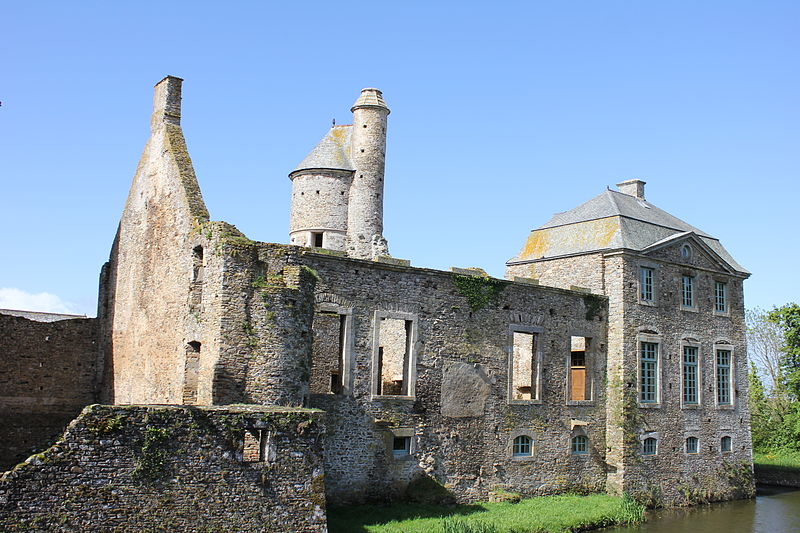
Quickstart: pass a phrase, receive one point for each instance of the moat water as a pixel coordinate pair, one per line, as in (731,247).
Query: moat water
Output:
(774,510)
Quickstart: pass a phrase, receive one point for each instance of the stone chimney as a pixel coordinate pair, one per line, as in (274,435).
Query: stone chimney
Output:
(167,102)
(632,188)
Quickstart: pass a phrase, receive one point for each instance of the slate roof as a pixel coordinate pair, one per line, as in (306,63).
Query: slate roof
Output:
(613,220)
(370,97)
(38,316)
(332,152)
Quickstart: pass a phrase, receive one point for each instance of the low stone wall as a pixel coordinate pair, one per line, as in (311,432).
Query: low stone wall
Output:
(240,468)
(777,475)
(47,375)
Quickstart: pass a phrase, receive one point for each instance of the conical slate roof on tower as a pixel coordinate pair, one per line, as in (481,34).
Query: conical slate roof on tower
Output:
(332,152)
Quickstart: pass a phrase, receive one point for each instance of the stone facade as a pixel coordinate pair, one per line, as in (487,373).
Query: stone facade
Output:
(173,469)
(477,384)
(674,474)
(47,375)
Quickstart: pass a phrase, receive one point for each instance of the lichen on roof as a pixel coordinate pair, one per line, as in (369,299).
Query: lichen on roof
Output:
(612,220)
(332,152)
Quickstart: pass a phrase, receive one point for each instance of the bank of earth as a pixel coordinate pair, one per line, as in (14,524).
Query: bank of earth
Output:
(543,514)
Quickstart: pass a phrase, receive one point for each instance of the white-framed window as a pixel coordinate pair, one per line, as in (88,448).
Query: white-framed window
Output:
(525,364)
(687,291)
(725,444)
(724,371)
(692,445)
(650,446)
(580,445)
(394,354)
(690,384)
(646,284)
(522,446)
(648,372)
(686,252)
(720,297)
(580,385)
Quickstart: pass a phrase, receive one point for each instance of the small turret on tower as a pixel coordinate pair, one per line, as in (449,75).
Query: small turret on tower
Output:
(368,153)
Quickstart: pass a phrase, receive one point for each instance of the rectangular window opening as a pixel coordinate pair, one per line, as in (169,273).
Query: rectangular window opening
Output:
(648,369)
(401,446)
(252,450)
(524,368)
(690,375)
(646,284)
(394,353)
(329,352)
(191,370)
(724,377)
(579,384)
(687,291)
(316,239)
(720,297)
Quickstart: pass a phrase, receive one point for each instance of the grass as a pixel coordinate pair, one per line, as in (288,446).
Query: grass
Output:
(563,513)
(784,458)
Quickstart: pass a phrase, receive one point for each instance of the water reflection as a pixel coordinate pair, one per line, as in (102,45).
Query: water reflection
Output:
(773,511)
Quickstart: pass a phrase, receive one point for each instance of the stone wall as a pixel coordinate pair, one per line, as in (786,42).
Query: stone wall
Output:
(152,266)
(457,414)
(671,476)
(582,270)
(173,469)
(47,375)
(710,474)
(262,320)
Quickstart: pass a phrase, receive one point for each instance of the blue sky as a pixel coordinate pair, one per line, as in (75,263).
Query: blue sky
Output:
(502,114)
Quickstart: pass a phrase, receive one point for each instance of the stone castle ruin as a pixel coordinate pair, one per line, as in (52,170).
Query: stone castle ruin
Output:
(286,378)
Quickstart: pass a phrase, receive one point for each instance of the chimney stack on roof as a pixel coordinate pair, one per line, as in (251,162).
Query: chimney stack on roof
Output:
(632,188)
(167,102)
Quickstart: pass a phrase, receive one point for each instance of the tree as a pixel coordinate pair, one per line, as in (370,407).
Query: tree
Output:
(764,343)
(787,318)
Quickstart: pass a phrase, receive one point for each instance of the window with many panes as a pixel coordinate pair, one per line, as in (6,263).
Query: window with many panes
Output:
(649,446)
(580,445)
(522,446)
(692,445)
(725,444)
(724,377)
(690,375)
(687,291)
(648,372)
(720,297)
(646,284)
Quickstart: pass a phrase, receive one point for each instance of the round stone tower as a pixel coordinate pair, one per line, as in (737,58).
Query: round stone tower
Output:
(320,192)
(368,155)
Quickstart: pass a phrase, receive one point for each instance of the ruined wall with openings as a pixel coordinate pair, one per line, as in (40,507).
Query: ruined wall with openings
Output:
(455,415)
(47,375)
(176,469)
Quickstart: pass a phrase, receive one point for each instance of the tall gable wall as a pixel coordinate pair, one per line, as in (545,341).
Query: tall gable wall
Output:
(146,284)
